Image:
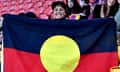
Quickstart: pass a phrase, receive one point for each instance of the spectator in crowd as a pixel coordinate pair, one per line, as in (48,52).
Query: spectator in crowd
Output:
(78,11)
(74,9)
(85,9)
(73,6)
(94,10)
(107,9)
(117,17)
(59,10)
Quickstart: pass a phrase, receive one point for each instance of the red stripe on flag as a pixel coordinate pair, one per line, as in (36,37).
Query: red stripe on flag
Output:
(19,61)
(97,62)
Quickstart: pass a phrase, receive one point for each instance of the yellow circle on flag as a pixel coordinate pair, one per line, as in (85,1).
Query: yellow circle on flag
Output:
(60,54)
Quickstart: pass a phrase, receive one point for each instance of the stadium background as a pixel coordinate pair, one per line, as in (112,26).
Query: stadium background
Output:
(42,8)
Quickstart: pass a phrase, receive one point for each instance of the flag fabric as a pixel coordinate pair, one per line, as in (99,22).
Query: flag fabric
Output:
(35,45)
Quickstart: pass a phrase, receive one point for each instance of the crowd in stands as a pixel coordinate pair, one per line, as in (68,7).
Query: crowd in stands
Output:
(83,10)
(87,10)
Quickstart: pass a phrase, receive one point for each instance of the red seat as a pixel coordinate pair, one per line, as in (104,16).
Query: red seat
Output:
(43,16)
(39,4)
(48,11)
(41,9)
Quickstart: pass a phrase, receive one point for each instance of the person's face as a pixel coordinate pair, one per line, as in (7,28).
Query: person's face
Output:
(59,12)
(110,2)
(70,4)
(118,1)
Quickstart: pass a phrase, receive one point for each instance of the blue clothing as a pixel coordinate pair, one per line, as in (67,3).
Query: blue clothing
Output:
(117,19)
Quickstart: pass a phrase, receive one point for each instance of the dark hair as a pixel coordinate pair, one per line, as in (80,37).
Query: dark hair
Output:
(76,7)
(54,4)
(113,8)
(30,14)
(62,4)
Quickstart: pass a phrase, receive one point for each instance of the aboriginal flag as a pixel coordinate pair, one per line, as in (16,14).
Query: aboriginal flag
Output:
(36,45)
